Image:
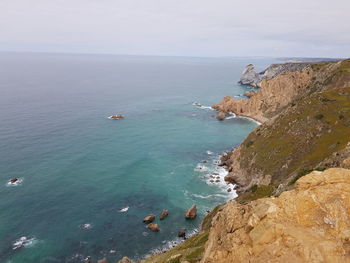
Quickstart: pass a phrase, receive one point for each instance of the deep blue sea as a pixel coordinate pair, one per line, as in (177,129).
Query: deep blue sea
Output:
(77,168)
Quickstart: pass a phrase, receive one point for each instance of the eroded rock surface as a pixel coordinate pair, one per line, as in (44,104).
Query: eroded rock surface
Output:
(308,224)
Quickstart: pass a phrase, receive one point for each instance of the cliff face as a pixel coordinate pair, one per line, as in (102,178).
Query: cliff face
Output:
(308,224)
(313,126)
(273,95)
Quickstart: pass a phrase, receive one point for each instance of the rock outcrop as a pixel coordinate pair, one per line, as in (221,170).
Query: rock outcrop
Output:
(308,224)
(191,213)
(164,214)
(149,219)
(273,95)
(153,227)
(221,116)
(250,76)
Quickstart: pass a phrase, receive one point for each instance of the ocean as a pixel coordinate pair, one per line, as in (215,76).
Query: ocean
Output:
(85,181)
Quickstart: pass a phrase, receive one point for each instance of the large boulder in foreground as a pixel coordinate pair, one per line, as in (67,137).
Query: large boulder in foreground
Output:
(191,213)
(310,223)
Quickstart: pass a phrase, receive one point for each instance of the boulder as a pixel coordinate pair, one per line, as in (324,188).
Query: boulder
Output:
(221,116)
(182,233)
(164,214)
(117,117)
(149,219)
(191,213)
(125,260)
(229,190)
(153,227)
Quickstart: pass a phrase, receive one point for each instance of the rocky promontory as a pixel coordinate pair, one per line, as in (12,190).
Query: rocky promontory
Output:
(291,174)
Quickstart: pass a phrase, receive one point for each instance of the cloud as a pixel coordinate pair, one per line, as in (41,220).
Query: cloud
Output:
(178,27)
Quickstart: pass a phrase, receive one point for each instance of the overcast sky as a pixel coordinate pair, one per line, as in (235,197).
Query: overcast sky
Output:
(307,28)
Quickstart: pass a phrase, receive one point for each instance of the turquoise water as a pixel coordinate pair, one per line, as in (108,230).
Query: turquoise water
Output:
(79,167)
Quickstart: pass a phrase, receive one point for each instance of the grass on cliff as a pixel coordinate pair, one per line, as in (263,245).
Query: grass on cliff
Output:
(301,137)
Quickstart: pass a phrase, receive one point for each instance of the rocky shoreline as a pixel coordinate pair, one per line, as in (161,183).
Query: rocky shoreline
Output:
(289,204)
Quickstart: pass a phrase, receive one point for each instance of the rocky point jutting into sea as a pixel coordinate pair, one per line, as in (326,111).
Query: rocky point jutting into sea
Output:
(291,173)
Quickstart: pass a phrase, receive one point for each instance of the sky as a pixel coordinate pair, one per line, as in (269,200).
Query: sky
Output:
(240,28)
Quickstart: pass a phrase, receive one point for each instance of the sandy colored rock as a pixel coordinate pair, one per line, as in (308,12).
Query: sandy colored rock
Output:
(117,117)
(346,163)
(149,219)
(221,116)
(104,260)
(274,94)
(191,213)
(164,214)
(153,227)
(125,260)
(308,224)
(249,94)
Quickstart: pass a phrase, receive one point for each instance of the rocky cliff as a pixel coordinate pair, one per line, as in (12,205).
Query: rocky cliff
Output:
(285,83)
(310,223)
(292,206)
(303,130)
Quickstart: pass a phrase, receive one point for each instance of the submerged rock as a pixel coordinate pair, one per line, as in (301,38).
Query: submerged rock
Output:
(164,214)
(153,227)
(191,213)
(149,219)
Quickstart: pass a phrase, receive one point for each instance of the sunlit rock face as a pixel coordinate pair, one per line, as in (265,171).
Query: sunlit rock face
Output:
(307,224)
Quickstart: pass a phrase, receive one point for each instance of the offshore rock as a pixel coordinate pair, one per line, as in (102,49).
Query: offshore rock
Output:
(149,219)
(191,213)
(182,233)
(117,117)
(250,76)
(153,227)
(308,224)
(164,214)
